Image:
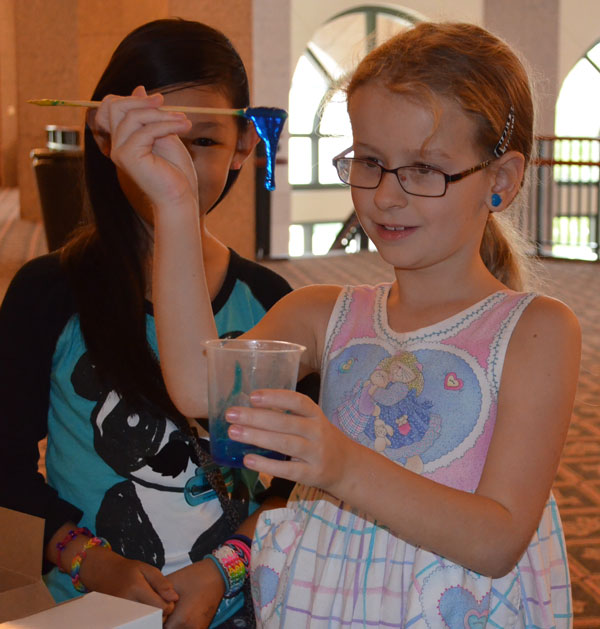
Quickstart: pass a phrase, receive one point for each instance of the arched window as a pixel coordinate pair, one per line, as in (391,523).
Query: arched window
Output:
(577,111)
(318,124)
(578,116)
(577,129)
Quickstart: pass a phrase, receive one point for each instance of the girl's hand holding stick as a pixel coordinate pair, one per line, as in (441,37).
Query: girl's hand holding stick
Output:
(144,138)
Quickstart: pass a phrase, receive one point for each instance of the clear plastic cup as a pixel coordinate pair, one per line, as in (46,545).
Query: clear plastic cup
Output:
(236,367)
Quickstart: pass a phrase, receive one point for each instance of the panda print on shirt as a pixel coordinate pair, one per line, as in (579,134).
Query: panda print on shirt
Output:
(146,516)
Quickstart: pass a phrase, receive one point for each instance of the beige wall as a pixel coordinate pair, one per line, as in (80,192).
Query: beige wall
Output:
(8,96)
(579,30)
(62,46)
(47,67)
(272,29)
(540,51)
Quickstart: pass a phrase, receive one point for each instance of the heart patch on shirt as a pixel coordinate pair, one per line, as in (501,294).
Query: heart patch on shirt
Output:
(452,382)
(459,608)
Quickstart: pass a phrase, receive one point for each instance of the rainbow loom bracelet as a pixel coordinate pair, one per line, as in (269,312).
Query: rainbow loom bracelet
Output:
(78,559)
(231,567)
(71,535)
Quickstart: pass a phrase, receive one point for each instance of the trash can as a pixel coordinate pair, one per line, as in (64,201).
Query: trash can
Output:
(58,171)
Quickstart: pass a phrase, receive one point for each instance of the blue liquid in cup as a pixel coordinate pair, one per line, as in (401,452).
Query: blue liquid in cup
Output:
(224,451)
(230,453)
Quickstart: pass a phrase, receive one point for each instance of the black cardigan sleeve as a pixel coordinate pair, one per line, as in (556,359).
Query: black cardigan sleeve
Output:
(34,312)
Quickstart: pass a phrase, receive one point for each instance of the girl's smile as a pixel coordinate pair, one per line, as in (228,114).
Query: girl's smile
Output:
(394,232)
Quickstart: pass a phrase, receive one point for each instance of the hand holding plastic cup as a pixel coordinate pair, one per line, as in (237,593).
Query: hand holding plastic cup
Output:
(236,367)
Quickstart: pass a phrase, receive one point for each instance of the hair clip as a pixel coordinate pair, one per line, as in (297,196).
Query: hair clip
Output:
(507,132)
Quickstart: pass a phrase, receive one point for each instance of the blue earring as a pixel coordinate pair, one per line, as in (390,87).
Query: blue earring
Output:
(496,199)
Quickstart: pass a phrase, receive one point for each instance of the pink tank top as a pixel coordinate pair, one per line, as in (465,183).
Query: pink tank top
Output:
(425,399)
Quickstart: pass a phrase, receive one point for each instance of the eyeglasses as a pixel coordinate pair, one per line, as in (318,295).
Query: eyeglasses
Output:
(420,181)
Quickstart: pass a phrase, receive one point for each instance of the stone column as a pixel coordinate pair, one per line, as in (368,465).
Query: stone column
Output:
(272,54)
(532,28)
(47,67)
(8,95)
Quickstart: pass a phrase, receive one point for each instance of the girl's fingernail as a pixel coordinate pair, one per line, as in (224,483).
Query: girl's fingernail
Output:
(249,461)
(235,432)
(256,397)
(232,414)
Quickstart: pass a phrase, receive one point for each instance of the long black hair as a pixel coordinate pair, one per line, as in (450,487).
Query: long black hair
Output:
(105,260)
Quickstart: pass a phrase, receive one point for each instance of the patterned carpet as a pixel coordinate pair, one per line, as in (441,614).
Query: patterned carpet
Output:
(577,485)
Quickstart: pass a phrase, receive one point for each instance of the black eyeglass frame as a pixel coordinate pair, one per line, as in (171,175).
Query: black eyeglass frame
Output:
(447,178)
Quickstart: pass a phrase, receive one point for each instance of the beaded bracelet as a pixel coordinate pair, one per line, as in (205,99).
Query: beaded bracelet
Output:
(78,559)
(71,535)
(232,559)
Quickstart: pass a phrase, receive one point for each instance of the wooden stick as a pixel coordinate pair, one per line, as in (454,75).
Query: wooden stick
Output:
(48,102)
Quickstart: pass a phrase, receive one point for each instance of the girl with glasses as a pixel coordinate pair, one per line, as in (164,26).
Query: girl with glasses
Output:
(423,494)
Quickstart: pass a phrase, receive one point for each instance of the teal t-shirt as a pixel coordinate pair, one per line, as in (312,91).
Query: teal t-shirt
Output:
(126,468)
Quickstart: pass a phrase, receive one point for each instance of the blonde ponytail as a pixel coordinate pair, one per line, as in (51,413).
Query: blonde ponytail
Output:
(504,253)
